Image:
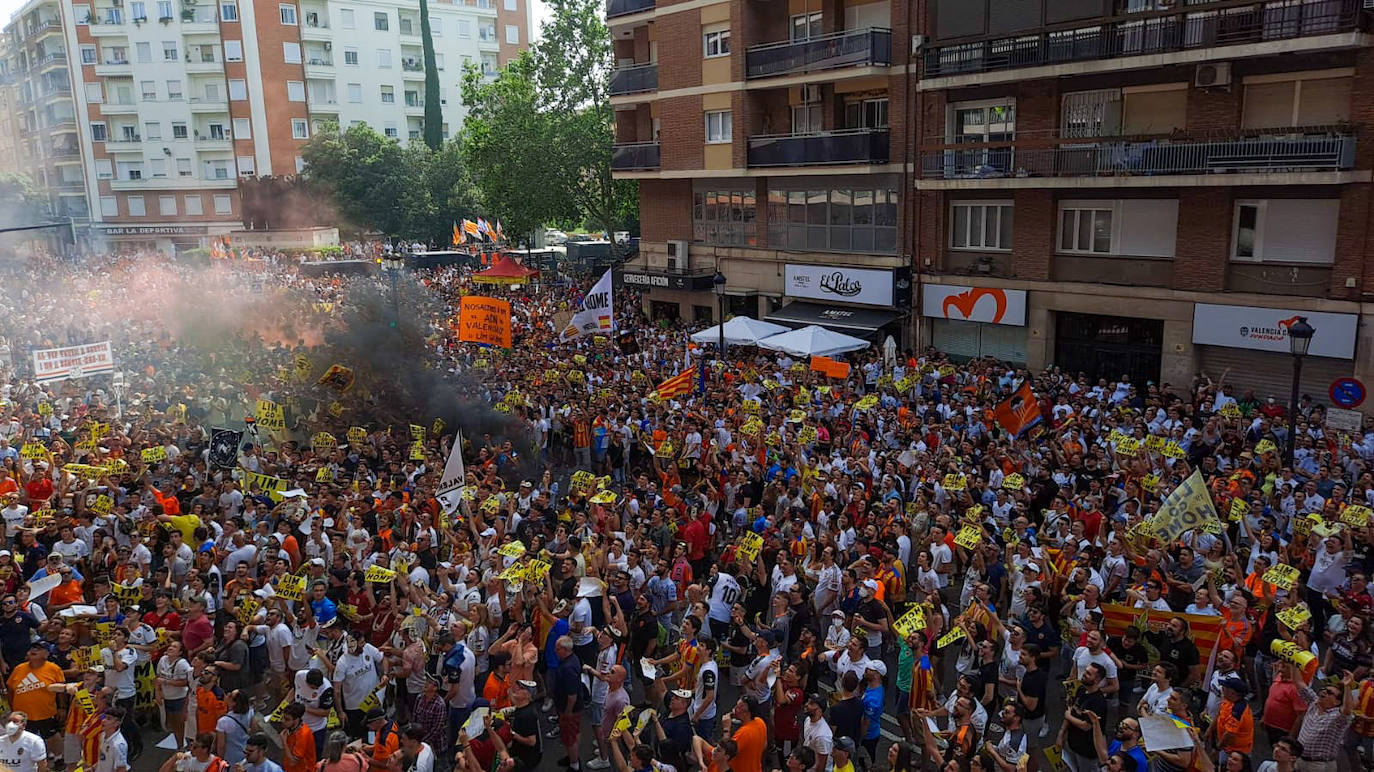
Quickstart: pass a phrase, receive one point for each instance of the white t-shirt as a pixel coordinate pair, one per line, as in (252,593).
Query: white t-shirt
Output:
(310,698)
(174,671)
(424,760)
(114,753)
(817,736)
(940,555)
(122,681)
(357,675)
(582,613)
(22,753)
(1157,700)
(1082,657)
(279,637)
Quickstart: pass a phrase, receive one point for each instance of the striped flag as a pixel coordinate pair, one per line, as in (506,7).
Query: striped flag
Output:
(1204,631)
(457,235)
(677,385)
(470,227)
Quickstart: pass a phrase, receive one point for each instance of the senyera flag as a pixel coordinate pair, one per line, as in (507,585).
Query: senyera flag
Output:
(677,385)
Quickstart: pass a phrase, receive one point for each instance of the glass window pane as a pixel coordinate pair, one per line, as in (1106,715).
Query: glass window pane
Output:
(960,226)
(839,207)
(1066,229)
(1004,223)
(1084,239)
(815,206)
(697,206)
(839,237)
(1102,231)
(885,240)
(1245,233)
(975,229)
(991,214)
(863,240)
(796,206)
(885,208)
(863,207)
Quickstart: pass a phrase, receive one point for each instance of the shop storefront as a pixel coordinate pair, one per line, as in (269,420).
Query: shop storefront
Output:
(869,303)
(671,294)
(166,238)
(1250,345)
(1109,347)
(971,322)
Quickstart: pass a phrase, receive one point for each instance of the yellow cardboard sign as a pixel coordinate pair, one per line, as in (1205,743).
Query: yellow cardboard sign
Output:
(950,637)
(291,587)
(955,482)
(379,574)
(1173,450)
(1129,446)
(749,546)
(357,435)
(913,621)
(1239,509)
(1292,618)
(32,450)
(269,415)
(1356,515)
(153,455)
(103,505)
(1014,482)
(969,537)
(1282,576)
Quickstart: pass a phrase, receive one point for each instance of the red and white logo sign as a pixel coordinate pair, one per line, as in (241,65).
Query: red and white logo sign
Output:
(991,305)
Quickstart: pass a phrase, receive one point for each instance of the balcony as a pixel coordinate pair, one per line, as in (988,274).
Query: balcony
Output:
(106,28)
(43,27)
(634,80)
(636,156)
(869,47)
(1271,152)
(134,145)
(211,66)
(846,146)
(319,67)
(409,28)
(316,31)
(208,105)
(115,68)
(412,65)
(616,8)
(119,108)
(415,106)
(1187,28)
(208,144)
(175,183)
(55,58)
(199,21)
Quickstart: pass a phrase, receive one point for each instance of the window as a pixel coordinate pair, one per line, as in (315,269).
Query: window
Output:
(158,167)
(138,11)
(238,90)
(136,208)
(1085,230)
(82,14)
(193,205)
(300,164)
(976,123)
(464,29)
(243,128)
(169,51)
(806,26)
(178,130)
(124,93)
(228,12)
(109,206)
(152,130)
(716,43)
(88,55)
(149,90)
(866,114)
(245,163)
(164,10)
(388,95)
(291,53)
(718,128)
(510,5)
(1285,230)
(216,170)
(167,205)
(512,35)
(288,14)
(351,56)
(384,58)
(355,93)
(390,131)
(174,90)
(724,217)
(380,22)
(114,15)
(487,32)
(346,18)
(1137,227)
(806,119)
(436,27)
(1301,101)
(104,169)
(117,55)
(216,131)
(212,92)
(295,90)
(858,220)
(93,93)
(438,61)
(489,65)
(980,225)
(143,52)
(1084,114)
(184,169)
(223,204)
(233,50)
(299,129)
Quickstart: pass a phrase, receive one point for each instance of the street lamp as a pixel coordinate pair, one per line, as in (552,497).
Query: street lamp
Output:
(718,281)
(1299,340)
(393,263)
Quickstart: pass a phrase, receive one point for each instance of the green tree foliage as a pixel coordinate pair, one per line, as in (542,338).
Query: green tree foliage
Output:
(20,201)
(434,116)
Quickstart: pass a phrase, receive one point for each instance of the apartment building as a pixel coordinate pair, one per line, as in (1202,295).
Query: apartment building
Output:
(1142,187)
(170,103)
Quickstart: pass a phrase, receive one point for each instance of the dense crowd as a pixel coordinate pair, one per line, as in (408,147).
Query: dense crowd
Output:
(778,569)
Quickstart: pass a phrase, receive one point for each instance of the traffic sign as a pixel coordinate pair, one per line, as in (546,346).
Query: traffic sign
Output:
(1347,392)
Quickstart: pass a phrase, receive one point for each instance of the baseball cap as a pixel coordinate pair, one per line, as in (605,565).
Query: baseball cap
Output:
(685,694)
(844,744)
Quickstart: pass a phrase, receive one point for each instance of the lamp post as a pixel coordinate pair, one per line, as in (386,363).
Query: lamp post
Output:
(392,263)
(718,282)
(1299,339)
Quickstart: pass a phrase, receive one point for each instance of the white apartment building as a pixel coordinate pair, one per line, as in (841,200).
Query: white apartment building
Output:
(174,101)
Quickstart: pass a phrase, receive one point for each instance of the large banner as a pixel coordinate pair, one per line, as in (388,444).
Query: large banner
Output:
(484,320)
(1189,506)
(597,314)
(1205,631)
(55,364)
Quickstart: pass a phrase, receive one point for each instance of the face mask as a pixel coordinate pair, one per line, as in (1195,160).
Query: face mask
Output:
(12,728)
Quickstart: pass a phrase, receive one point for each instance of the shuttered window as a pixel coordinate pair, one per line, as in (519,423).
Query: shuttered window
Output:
(1299,102)
(1154,112)
(1268,105)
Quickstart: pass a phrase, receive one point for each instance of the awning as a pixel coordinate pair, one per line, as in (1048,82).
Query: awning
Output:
(837,317)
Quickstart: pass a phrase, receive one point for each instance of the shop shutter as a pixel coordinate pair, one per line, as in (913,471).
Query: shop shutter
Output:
(1005,342)
(966,340)
(957,339)
(1270,373)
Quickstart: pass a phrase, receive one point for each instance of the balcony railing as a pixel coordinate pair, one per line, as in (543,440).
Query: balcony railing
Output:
(412,65)
(1187,27)
(43,26)
(616,8)
(870,46)
(846,146)
(318,61)
(53,57)
(638,155)
(1110,157)
(634,80)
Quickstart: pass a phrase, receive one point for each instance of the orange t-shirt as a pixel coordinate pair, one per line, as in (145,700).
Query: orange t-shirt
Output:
(29,689)
(751,738)
(382,749)
(302,745)
(66,593)
(1242,730)
(496,691)
(8,485)
(210,707)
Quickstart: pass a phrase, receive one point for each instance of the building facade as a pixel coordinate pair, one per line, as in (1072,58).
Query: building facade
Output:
(169,103)
(1152,188)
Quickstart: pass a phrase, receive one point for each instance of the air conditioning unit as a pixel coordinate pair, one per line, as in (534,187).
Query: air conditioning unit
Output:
(677,255)
(810,93)
(328,46)
(1212,75)
(919,41)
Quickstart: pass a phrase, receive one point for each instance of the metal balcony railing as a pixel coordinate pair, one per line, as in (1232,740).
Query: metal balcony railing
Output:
(634,80)
(616,8)
(632,156)
(846,146)
(1182,28)
(866,47)
(1109,157)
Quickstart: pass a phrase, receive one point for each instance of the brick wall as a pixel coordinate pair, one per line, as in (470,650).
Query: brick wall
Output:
(929,231)
(1204,239)
(665,209)
(1352,242)
(1033,238)
(1214,109)
(682,132)
(1362,106)
(679,50)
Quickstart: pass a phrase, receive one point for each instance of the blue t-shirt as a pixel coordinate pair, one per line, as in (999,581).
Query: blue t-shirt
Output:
(324,610)
(560,628)
(873,709)
(1142,764)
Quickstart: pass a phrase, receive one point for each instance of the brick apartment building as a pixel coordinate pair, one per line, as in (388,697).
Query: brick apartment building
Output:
(1149,187)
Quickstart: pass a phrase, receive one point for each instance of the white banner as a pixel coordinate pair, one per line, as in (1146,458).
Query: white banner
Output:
(450,490)
(55,364)
(838,283)
(1266,329)
(974,304)
(597,314)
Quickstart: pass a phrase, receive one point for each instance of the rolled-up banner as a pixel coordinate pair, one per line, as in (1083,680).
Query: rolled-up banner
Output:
(1289,652)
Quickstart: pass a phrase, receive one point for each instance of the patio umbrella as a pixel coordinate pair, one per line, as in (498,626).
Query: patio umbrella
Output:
(813,341)
(739,331)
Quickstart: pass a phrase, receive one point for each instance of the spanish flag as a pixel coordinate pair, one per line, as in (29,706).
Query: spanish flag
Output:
(677,385)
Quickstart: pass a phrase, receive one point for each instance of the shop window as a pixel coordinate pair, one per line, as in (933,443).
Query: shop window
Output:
(724,217)
(858,219)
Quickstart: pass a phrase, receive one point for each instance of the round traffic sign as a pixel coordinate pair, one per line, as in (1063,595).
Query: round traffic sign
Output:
(1347,392)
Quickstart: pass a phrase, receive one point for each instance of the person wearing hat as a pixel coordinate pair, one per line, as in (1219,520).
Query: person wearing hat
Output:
(383,739)
(870,728)
(674,731)
(843,755)
(1233,731)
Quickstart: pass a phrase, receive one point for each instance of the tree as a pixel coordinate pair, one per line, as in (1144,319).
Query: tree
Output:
(20,201)
(364,173)
(434,116)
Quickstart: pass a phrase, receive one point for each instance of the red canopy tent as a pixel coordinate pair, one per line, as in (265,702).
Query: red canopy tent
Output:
(505,270)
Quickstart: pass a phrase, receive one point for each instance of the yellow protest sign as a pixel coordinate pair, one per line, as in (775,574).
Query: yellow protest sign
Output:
(336,409)
(1266,446)
(33,450)
(582,480)
(303,367)
(324,474)
(357,435)
(749,545)
(1282,576)
(290,587)
(153,455)
(379,574)
(1128,446)
(955,482)
(1294,617)
(807,435)
(417,432)
(269,415)
(1173,450)
(910,623)
(537,570)
(1230,410)
(44,409)
(604,497)
(867,403)
(511,549)
(1356,515)
(437,428)
(1013,482)
(1150,482)
(950,637)
(417,450)
(103,505)
(1189,506)
(969,536)
(324,441)
(1154,443)
(246,609)
(1239,509)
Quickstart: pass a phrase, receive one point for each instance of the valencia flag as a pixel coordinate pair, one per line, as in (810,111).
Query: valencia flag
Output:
(1020,412)
(677,385)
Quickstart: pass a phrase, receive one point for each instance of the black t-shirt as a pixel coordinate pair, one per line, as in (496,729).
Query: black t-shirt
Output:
(1046,637)
(1035,683)
(1181,654)
(1129,655)
(845,716)
(525,722)
(988,673)
(1080,741)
